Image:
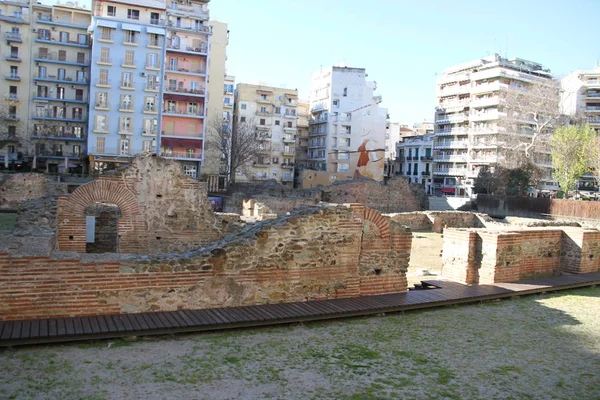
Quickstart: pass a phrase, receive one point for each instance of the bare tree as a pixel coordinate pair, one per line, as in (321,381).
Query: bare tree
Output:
(7,138)
(234,146)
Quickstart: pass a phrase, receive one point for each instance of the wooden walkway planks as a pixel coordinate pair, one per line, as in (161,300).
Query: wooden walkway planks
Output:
(156,323)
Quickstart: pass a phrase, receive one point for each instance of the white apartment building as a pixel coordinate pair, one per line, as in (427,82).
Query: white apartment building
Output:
(466,120)
(347,126)
(415,159)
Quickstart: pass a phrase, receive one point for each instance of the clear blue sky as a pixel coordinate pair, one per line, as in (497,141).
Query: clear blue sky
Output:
(402,43)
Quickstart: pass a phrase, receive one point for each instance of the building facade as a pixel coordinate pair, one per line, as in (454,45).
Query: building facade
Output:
(272,113)
(60,55)
(347,126)
(15,146)
(414,159)
(468,116)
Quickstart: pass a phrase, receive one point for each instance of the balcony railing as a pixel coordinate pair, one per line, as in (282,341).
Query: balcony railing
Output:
(450,171)
(57,135)
(53,57)
(12,117)
(13,37)
(131,40)
(202,49)
(183,112)
(451,144)
(180,154)
(13,77)
(174,24)
(12,97)
(318,120)
(13,57)
(181,89)
(197,11)
(186,70)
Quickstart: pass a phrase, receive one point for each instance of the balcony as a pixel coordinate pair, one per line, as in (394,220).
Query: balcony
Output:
(14,57)
(59,99)
(427,158)
(150,109)
(259,164)
(188,10)
(485,102)
(318,120)
(290,116)
(12,77)
(52,58)
(263,137)
(485,159)
(592,83)
(317,133)
(453,90)
(13,37)
(186,70)
(288,140)
(12,97)
(181,155)
(318,145)
(259,177)
(202,49)
(12,117)
(58,154)
(179,89)
(53,78)
(289,152)
(58,21)
(182,112)
(485,116)
(425,173)
(484,144)
(287,166)
(189,28)
(57,136)
(452,132)
(227,105)
(592,108)
(451,144)
(14,19)
(149,132)
(451,118)
(450,171)
(49,116)
(70,43)
(450,158)
(287,178)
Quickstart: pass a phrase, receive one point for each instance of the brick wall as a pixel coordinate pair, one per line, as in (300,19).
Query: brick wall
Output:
(507,256)
(310,254)
(161,209)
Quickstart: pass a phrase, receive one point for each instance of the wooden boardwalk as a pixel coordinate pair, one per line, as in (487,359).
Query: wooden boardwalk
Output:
(158,323)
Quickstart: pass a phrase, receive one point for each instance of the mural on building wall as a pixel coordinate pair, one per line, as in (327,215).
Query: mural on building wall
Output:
(369,160)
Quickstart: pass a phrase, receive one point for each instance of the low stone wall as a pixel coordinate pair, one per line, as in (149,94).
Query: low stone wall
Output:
(416,221)
(393,197)
(319,253)
(485,256)
(436,221)
(21,187)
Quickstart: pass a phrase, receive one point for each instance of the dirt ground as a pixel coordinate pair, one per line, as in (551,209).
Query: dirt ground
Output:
(536,347)
(425,254)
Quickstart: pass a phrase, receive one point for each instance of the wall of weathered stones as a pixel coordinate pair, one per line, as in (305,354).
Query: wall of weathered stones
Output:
(162,210)
(22,187)
(485,256)
(395,196)
(319,253)
(436,221)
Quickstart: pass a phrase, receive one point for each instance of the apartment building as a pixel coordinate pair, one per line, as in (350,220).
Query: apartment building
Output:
(580,96)
(273,113)
(127,69)
(414,159)
(302,133)
(60,55)
(468,116)
(421,128)
(186,82)
(15,72)
(347,126)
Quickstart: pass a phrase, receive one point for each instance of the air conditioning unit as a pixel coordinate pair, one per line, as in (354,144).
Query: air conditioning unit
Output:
(142,74)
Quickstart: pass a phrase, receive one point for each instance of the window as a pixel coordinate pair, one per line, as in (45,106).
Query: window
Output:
(152,82)
(102,99)
(154,40)
(79,94)
(125,125)
(82,38)
(126,102)
(152,61)
(154,18)
(227,100)
(343,167)
(149,127)
(149,104)
(103,80)
(124,146)
(106,33)
(133,14)
(277,110)
(62,74)
(189,170)
(277,122)
(101,123)
(336,103)
(77,113)
(263,109)
(343,156)
(105,55)
(78,132)
(64,36)
(289,124)
(262,121)
(81,58)
(242,119)
(60,93)
(147,146)
(275,160)
(263,96)
(130,37)
(345,92)
(129,57)
(111,11)
(79,77)
(243,106)
(126,80)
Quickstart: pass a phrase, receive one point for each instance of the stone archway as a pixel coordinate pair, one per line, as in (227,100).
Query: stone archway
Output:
(71,216)
(102,228)
(375,244)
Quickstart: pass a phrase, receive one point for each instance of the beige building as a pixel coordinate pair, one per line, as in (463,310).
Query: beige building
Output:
(273,112)
(16,85)
(302,134)
(60,55)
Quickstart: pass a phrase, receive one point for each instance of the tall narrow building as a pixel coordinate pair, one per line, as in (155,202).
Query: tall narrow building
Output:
(16,85)
(127,69)
(60,53)
(347,126)
(468,121)
(272,112)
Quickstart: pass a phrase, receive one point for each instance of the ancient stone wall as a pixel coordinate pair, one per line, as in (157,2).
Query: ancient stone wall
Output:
(416,221)
(485,256)
(311,254)
(162,210)
(395,196)
(21,187)
(436,221)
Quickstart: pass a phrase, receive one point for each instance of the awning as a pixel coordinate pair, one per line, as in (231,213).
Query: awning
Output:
(158,31)
(131,27)
(182,143)
(449,190)
(291,95)
(260,91)
(108,24)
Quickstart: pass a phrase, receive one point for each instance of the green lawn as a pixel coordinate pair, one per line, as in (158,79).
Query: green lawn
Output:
(532,348)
